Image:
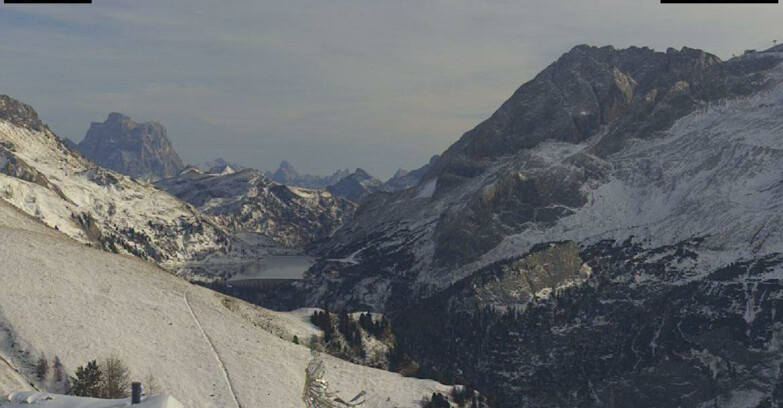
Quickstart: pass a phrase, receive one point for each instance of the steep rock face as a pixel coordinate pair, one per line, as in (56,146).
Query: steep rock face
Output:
(403,179)
(287,174)
(49,181)
(246,201)
(136,149)
(591,87)
(356,186)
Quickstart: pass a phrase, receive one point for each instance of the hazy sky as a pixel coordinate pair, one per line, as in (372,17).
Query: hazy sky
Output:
(325,84)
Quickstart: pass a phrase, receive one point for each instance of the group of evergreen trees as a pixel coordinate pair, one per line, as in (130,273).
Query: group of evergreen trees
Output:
(349,328)
(380,328)
(42,369)
(464,397)
(108,379)
(437,400)
(323,321)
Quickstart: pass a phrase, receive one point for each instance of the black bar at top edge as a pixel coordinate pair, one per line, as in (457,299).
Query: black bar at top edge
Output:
(47,1)
(719,2)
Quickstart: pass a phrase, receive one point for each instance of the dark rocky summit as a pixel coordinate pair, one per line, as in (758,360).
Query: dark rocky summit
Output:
(137,149)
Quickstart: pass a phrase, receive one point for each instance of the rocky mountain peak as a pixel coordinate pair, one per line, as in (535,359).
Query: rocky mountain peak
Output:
(285,173)
(20,114)
(592,88)
(356,186)
(362,174)
(136,149)
(399,173)
(285,165)
(116,117)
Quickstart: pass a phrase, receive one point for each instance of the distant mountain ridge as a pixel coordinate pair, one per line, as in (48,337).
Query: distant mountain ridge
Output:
(219,162)
(140,150)
(287,174)
(403,179)
(356,186)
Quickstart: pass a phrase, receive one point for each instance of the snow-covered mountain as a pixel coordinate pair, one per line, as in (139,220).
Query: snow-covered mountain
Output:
(140,150)
(247,201)
(59,297)
(42,177)
(656,174)
(356,186)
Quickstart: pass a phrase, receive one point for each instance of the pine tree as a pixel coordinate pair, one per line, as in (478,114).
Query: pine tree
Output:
(42,368)
(151,384)
(58,369)
(88,381)
(116,378)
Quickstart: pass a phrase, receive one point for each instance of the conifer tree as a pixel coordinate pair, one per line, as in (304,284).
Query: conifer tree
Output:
(116,378)
(58,369)
(87,382)
(42,368)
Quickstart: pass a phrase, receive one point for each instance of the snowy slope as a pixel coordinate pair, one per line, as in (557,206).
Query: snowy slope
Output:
(39,175)
(10,379)
(46,400)
(64,298)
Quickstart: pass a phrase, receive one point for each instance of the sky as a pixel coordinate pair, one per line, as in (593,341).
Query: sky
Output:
(325,84)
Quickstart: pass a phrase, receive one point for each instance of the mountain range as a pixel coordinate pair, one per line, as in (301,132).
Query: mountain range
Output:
(610,237)
(353,186)
(287,174)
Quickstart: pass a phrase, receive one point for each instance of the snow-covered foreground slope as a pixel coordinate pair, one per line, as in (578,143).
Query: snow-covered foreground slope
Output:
(46,400)
(10,379)
(63,298)
(42,177)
